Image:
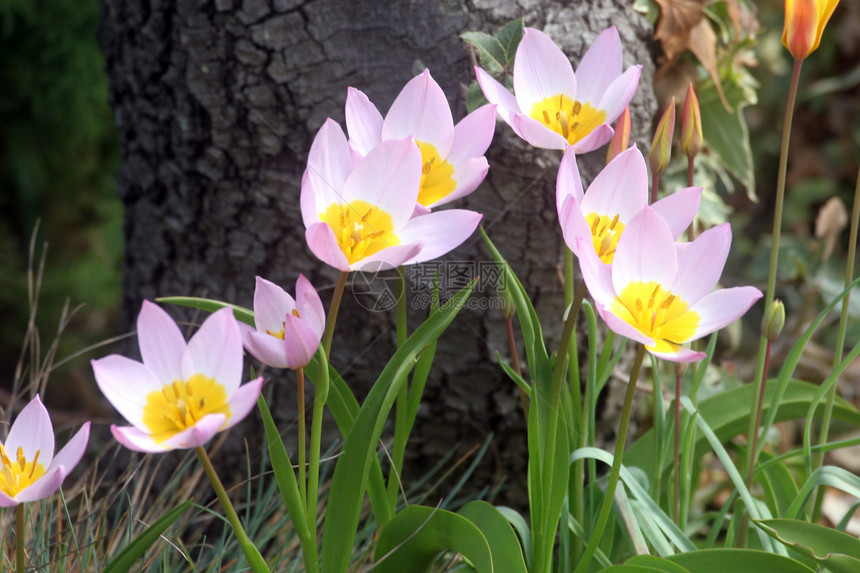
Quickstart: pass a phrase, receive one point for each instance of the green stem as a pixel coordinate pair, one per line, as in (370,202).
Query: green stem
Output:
(320,397)
(401,408)
(300,406)
(615,471)
(20,557)
(568,276)
(676,505)
(774,248)
(515,359)
(840,339)
(331,318)
(690,166)
(258,564)
(655,185)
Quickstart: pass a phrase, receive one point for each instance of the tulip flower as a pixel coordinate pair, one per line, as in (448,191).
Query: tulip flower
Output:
(452,156)
(554,107)
(30,470)
(621,138)
(659,292)
(661,146)
(804,24)
(691,125)
(600,215)
(359,216)
(288,331)
(182,394)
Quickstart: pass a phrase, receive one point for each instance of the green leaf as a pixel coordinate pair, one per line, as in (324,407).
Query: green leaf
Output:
(824,476)
(490,50)
(504,544)
(135,550)
(658,563)
(509,37)
(475,97)
(241,313)
(737,561)
(417,534)
(347,488)
(837,551)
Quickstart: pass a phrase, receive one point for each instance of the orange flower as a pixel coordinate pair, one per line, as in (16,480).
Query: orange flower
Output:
(804,23)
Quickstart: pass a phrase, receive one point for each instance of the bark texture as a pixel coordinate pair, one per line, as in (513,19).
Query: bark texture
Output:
(216,105)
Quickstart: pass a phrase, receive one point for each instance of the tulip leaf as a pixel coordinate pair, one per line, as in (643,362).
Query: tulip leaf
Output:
(135,550)
(490,50)
(509,37)
(737,561)
(504,543)
(241,313)
(656,563)
(346,494)
(837,551)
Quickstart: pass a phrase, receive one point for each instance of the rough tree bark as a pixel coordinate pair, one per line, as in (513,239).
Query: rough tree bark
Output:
(216,105)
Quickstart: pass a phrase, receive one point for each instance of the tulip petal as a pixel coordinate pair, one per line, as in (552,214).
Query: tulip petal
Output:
(681,355)
(329,166)
(32,431)
(134,439)
(599,66)
(722,307)
(645,252)
(301,342)
(596,274)
(43,487)
(701,262)
(267,349)
(468,175)
(568,182)
(541,70)
(574,226)
(363,122)
(161,342)
(472,135)
(70,454)
(441,232)
(310,305)
(599,136)
(198,434)
(679,209)
(215,351)
(271,305)
(621,188)
(323,244)
(389,258)
(537,133)
(421,111)
(6,501)
(624,328)
(619,93)
(243,401)
(126,384)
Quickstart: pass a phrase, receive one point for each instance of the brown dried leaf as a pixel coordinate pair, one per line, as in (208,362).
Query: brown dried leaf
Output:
(831,220)
(703,44)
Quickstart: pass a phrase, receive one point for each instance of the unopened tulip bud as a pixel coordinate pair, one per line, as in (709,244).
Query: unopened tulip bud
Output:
(621,139)
(691,125)
(661,147)
(508,309)
(804,24)
(773,321)
(681,368)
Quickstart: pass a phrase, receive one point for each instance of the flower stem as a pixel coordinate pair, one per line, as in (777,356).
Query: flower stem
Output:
(331,317)
(774,250)
(258,564)
(655,185)
(300,406)
(20,558)
(677,493)
(320,397)
(401,408)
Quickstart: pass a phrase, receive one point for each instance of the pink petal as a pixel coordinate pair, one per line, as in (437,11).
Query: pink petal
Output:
(682,355)
(645,252)
(421,111)
(388,258)
(271,305)
(679,209)
(541,70)
(243,401)
(267,349)
(134,439)
(722,307)
(161,342)
(537,133)
(599,136)
(468,175)
(363,122)
(496,93)
(215,351)
(6,501)
(32,431)
(329,166)
(43,487)
(621,188)
(126,383)
(596,275)
(198,434)
(701,262)
(624,328)
(441,232)
(70,454)
(322,243)
(388,177)
(619,93)
(574,226)
(568,182)
(600,65)
(472,135)
(310,305)
(308,201)
(301,342)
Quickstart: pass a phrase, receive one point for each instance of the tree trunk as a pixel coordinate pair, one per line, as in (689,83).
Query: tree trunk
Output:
(216,105)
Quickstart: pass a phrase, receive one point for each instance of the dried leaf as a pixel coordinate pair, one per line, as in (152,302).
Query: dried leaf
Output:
(831,220)
(703,44)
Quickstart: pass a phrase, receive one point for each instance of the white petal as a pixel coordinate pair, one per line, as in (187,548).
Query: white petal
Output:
(541,70)
(421,111)
(701,262)
(600,65)
(271,305)
(161,342)
(215,351)
(645,252)
(363,122)
(126,383)
(243,401)
(441,232)
(32,431)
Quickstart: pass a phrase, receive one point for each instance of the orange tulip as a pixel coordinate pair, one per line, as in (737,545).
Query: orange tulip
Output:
(804,23)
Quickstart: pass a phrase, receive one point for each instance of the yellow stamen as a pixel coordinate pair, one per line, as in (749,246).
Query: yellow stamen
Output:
(183,403)
(437,175)
(571,119)
(19,474)
(656,313)
(361,229)
(605,233)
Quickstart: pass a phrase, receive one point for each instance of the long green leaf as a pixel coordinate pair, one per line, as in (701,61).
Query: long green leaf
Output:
(827,475)
(504,544)
(737,561)
(835,550)
(135,550)
(209,305)
(351,472)
(658,563)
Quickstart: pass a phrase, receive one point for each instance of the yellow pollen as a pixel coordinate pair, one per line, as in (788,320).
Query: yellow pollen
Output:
(605,233)
(437,175)
(656,313)
(571,119)
(279,333)
(361,229)
(183,403)
(19,474)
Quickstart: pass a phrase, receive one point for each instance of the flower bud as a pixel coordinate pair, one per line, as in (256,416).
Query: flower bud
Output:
(773,320)
(661,147)
(691,125)
(621,139)
(680,368)
(508,308)
(804,24)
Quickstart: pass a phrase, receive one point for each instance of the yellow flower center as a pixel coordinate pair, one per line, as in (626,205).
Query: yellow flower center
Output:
(280,333)
(656,313)
(571,119)
(361,229)
(180,405)
(605,233)
(17,475)
(437,175)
